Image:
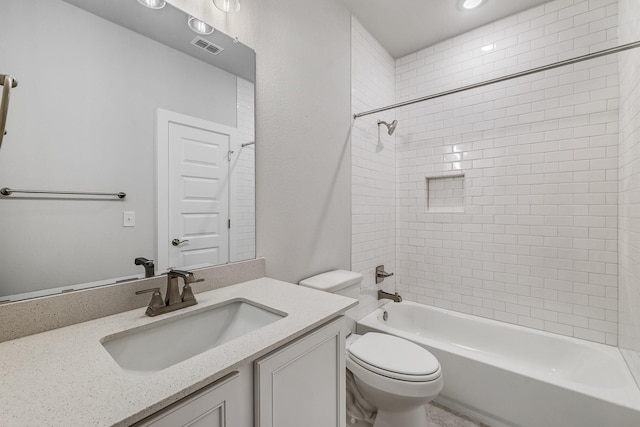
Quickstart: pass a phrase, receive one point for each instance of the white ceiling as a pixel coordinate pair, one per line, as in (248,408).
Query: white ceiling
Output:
(406,26)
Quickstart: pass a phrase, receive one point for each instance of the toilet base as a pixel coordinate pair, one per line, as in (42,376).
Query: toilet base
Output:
(351,422)
(416,417)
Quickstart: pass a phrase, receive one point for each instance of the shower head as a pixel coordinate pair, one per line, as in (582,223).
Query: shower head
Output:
(391,127)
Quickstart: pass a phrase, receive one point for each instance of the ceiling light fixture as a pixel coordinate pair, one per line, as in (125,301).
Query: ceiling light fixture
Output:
(199,27)
(471,4)
(228,6)
(153,4)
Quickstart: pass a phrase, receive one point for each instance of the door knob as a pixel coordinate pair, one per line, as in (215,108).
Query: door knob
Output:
(178,242)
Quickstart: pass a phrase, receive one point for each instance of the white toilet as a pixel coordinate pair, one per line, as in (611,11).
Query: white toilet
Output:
(396,376)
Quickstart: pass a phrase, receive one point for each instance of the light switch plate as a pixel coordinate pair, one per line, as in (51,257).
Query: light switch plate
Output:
(128,219)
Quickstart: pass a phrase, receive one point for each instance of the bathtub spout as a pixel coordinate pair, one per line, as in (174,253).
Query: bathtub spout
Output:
(386,295)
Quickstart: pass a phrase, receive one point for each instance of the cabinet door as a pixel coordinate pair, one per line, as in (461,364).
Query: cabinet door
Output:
(303,383)
(217,405)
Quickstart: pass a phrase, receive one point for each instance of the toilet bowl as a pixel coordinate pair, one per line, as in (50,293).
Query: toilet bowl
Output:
(392,374)
(396,376)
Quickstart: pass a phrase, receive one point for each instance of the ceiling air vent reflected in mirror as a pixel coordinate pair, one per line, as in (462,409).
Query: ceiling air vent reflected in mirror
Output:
(204,44)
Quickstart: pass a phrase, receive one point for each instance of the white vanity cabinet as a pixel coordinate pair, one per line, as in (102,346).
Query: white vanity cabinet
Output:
(226,403)
(299,384)
(303,383)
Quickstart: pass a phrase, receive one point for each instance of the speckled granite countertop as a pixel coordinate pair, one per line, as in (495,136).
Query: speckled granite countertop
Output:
(65,377)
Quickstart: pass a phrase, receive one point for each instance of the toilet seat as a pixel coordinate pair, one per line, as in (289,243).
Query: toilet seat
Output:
(396,375)
(394,357)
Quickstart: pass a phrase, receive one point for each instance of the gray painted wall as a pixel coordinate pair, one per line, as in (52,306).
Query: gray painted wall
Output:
(303,99)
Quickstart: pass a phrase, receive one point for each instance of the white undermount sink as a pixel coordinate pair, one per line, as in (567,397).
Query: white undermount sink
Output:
(151,348)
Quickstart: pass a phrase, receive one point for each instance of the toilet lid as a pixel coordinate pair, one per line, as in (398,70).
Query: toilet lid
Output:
(394,357)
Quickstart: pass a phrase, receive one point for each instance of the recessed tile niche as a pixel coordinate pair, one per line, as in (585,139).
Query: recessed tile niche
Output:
(445,193)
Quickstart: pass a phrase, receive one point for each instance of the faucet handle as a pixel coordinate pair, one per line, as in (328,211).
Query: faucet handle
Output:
(146,291)
(187,293)
(188,276)
(156,299)
(381,274)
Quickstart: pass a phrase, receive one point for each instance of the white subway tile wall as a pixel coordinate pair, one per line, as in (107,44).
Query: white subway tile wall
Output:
(373,166)
(629,187)
(244,171)
(537,242)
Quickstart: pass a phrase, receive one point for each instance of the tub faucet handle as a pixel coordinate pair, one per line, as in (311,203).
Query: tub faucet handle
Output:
(381,274)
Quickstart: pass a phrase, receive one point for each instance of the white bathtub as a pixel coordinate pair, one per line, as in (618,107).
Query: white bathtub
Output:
(507,375)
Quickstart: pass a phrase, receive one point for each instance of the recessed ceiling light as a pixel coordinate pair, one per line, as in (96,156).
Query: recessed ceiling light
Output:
(228,6)
(471,4)
(488,47)
(153,4)
(199,27)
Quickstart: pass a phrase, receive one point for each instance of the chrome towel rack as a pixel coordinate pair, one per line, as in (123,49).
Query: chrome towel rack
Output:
(9,191)
(8,82)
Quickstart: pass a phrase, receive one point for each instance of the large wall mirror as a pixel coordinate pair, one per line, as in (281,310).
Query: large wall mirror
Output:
(115,97)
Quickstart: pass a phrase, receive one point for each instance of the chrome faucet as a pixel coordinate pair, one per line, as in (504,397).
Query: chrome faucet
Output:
(173,300)
(386,295)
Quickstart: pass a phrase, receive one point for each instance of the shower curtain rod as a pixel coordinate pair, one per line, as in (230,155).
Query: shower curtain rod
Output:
(575,60)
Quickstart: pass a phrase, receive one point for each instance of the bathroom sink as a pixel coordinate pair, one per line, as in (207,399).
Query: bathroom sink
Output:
(162,344)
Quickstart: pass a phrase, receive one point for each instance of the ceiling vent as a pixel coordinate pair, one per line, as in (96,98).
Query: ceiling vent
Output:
(206,45)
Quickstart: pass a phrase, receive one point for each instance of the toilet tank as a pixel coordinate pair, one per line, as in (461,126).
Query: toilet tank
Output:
(341,282)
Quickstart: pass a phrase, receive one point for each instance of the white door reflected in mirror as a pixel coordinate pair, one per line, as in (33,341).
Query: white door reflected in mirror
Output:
(193,173)
(199,194)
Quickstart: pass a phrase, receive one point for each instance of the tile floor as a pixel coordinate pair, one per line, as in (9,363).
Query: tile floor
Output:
(439,416)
